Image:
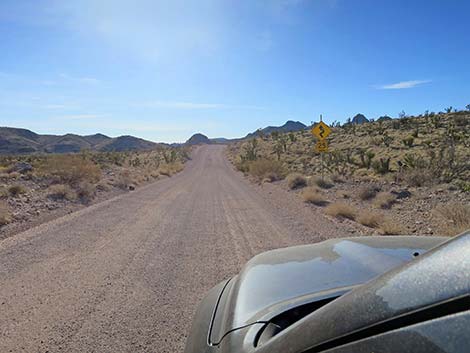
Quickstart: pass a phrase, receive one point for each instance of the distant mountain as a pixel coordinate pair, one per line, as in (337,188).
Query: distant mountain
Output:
(127,143)
(287,127)
(384,118)
(220,140)
(198,139)
(13,140)
(359,119)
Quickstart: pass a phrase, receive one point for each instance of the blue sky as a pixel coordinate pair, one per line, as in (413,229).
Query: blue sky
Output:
(163,70)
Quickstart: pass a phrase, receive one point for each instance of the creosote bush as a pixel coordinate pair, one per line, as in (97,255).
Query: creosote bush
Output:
(296,180)
(71,169)
(341,210)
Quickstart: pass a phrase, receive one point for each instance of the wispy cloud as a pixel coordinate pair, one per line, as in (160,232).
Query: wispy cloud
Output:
(56,106)
(193,105)
(80,117)
(179,105)
(404,84)
(84,80)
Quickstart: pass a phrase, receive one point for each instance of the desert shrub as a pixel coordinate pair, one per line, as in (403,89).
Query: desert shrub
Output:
(341,210)
(417,177)
(10,175)
(385,200)
(408,141)
(366,158)
(455,218)
(4,193)
(368,192)
(370,219)
(61,192)
(16,190)
(382,166)
(86,191)
(312,195)
(322,183)
(462,185)
(103,186)
(267,169)
(296,180)
(388,227)
(336,178)
(5,216)
(124,179)
(170,169)
(71,169)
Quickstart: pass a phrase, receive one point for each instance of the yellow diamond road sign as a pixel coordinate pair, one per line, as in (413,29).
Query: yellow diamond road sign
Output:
(322,146)
(321,130)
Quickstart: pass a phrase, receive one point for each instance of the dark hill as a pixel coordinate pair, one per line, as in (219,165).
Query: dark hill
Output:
(359,119)
(287,127)
(13,141)
(198,139)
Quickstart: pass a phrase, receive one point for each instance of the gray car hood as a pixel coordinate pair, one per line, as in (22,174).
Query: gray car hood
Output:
(278,280)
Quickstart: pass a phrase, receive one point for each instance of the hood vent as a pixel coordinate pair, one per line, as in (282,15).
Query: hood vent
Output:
(286,319)
(453,306)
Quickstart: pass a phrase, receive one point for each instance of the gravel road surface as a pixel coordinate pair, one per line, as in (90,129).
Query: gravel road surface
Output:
(125,275)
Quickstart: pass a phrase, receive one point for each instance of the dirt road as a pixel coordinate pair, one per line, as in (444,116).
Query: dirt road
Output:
(126,275)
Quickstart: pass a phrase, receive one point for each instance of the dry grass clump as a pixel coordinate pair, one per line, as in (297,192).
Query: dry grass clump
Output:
(70,169)
(418,177)
(367,192)
(124,179)
(372,220)
(322,183)
(388,227)
(10,175)
(5,216)
(296,180)
(61,192)
(103,186)
(385,200)
(336,178)
(341,210)
(267,169)
(16,190)
(4,193)
(86,191)
(312,195)
(170,168)
(455,218)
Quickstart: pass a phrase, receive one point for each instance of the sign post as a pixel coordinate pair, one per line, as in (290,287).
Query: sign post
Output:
(321,131)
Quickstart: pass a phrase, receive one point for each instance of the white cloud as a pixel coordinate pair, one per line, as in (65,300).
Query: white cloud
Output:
(404,84)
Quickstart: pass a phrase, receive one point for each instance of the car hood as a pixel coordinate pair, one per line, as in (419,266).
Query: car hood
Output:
(278,280)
